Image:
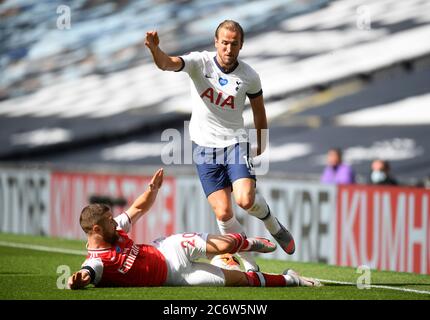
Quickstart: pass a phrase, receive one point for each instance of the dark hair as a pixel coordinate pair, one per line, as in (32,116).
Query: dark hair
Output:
(337,150)
(92,215)
(232,26)
(387,165)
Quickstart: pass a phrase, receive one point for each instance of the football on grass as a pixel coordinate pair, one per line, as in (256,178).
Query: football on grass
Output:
(226,261)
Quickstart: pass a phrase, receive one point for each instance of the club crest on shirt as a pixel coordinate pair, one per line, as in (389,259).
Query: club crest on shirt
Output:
(238,83)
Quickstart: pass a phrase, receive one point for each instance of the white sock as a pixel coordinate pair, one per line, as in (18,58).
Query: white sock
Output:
(233,226)
(261,210)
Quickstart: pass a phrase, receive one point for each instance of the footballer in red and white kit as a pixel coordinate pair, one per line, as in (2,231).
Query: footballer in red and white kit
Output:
(167,261)
(114,260)
(126,263)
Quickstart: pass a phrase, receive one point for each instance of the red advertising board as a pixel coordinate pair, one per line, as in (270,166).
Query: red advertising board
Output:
(386,228)
(70,192)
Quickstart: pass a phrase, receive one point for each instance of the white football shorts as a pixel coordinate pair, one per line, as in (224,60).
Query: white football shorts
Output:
(181,252)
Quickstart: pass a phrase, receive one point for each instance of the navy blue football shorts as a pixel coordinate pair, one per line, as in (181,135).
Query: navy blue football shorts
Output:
(218,168)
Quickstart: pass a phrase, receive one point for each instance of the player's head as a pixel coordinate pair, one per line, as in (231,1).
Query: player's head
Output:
(229,39)
(97,219)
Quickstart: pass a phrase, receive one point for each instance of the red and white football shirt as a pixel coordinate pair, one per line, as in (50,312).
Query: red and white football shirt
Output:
(126,264)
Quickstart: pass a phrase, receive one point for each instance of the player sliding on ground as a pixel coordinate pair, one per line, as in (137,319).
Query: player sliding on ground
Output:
(115,260)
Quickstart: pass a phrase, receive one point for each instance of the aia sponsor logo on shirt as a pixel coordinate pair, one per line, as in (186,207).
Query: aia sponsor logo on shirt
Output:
(219,99)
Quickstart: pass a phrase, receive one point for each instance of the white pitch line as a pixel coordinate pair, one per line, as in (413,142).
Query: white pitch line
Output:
(377,286)
(42,248)
(81,252)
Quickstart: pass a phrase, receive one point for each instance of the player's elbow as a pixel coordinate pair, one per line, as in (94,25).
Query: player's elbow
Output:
(162,67)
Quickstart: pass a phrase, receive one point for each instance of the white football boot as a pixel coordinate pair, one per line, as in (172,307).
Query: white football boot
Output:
(300,281)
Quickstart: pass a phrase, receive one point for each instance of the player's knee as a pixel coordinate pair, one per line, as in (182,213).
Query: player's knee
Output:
(223,214)
(245,202)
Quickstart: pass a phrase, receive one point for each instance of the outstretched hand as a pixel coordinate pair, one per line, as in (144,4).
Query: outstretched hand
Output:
(78,280)
(157,179)
(152,40)
(145,201)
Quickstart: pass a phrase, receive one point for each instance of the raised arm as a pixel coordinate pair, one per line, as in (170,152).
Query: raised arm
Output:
(145,201)
(260,122)
(162,60)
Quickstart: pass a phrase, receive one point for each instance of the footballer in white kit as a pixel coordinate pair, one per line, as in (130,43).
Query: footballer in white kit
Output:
(221,151)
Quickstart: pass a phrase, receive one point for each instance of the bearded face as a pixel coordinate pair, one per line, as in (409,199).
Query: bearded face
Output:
(111,238)
(228,45)
(109,232)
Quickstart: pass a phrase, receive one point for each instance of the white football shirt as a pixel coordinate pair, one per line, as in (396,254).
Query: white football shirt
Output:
(218,99)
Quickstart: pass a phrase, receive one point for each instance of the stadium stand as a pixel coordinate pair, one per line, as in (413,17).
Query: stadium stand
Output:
(350,73)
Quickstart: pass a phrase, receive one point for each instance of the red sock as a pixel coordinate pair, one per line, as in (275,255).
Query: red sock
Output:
(241,243)
(259,279)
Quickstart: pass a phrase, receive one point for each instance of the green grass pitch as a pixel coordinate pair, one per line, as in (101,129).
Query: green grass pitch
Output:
(32,274)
